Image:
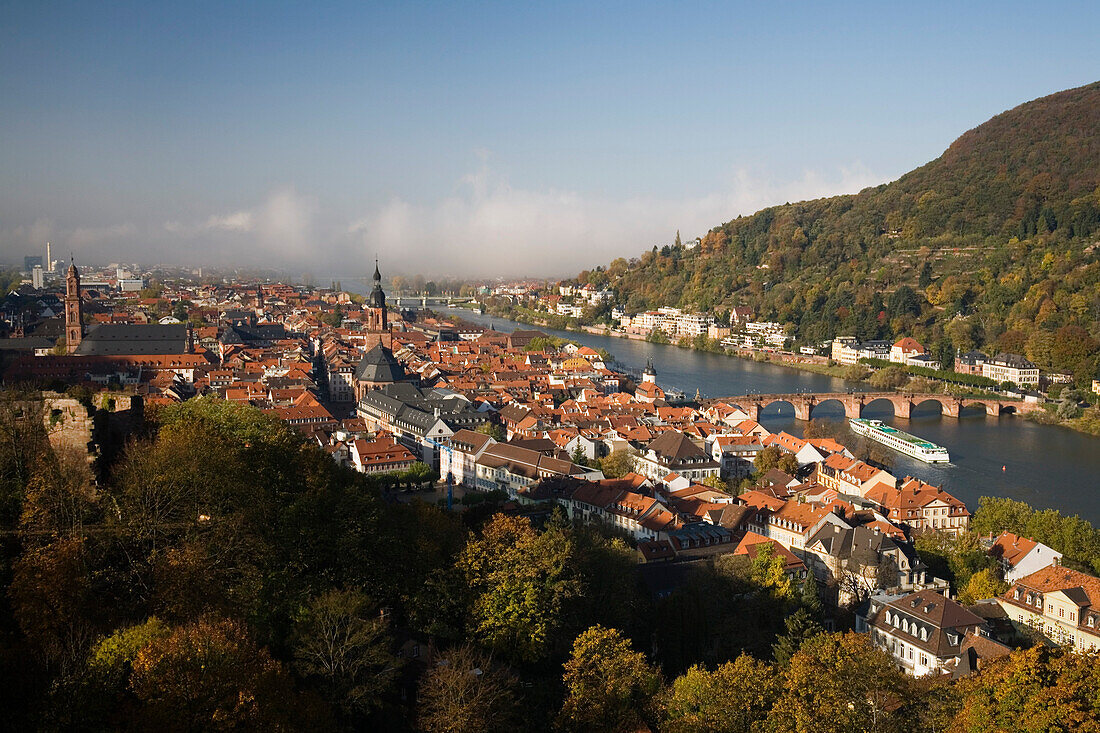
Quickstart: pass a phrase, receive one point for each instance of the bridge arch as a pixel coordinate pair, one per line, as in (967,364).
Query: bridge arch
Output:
(973,408)
(935,402)
(877,404)
(765,404)
(829,401)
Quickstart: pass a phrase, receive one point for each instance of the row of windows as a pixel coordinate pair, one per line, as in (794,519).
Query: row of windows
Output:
(899,622)
(900,650)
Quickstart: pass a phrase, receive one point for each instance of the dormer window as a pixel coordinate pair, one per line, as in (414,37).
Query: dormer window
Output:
(1016,594)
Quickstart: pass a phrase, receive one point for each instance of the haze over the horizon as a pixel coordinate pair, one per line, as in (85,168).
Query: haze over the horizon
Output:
(481,139)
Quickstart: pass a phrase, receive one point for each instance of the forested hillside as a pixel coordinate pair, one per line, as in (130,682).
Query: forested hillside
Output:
(991,245)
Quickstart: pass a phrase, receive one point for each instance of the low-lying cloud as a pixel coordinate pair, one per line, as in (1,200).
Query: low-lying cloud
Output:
(491,228)
(486,227)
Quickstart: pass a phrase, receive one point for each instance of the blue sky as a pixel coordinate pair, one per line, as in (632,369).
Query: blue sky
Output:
(482,138)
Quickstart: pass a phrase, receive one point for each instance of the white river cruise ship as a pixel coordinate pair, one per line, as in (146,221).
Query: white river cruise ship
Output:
(900,440)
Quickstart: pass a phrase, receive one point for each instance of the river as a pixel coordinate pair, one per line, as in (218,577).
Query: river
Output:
(1046,466)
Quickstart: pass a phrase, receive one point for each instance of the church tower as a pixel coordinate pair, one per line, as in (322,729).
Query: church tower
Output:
(377,319)
(74,310)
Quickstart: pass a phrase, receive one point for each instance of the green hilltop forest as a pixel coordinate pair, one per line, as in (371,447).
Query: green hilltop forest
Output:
(993,245)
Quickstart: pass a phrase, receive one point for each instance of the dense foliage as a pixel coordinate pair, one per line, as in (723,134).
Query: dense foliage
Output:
(989,246)
(225,574)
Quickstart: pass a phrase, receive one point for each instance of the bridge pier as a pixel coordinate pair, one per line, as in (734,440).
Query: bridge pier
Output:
(993,408)
(802,409)
(950,408)
(902,408)
(753,409)
(853,408)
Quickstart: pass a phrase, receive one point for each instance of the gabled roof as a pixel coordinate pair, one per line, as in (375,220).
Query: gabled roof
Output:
(752,543)
(1060,578)
(933,611)
(1012,549)
(379,365)
(675,446)
(908,344)
(127,339)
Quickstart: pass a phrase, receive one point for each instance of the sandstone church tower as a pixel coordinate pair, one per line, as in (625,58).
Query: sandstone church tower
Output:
(74,310)
(377,319)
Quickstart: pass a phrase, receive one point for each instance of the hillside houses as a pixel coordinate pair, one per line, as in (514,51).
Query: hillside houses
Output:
(1021,556)
(674,452)
(925,632)
(1061,604)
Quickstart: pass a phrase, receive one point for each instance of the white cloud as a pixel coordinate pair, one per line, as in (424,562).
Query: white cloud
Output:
(278,231)
(485,227)
(488,227)
(241,221)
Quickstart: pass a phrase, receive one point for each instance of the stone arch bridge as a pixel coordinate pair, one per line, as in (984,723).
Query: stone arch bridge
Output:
(854,402)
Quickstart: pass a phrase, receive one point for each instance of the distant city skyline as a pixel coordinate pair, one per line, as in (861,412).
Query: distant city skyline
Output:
(481,139)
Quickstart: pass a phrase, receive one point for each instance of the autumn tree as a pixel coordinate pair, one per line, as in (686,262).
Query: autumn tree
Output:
(59,496)
(52,602)
(839,683)
(983,584)
(715,483)
(1037,690)
(464,690)
(617,464)
(889,378)
(520,579)
(104,698)
(607,684)
(767,459)
(737,696)
(210,675)
(23,442)
(769,572)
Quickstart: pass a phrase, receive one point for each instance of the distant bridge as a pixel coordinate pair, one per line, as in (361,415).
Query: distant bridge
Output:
(854,402)
(425,300)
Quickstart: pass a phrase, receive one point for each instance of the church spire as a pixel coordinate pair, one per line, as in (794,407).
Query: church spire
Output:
(74,309)
(376,303)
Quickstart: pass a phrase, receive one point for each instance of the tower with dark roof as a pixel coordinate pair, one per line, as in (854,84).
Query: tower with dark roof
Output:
(74,310)
(650,374)
(377,318)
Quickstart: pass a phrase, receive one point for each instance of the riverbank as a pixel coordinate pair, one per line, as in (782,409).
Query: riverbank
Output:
(1088,422)
(792,361)
(990,456)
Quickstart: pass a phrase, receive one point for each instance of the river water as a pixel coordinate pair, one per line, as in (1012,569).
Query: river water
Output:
(1046,466)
